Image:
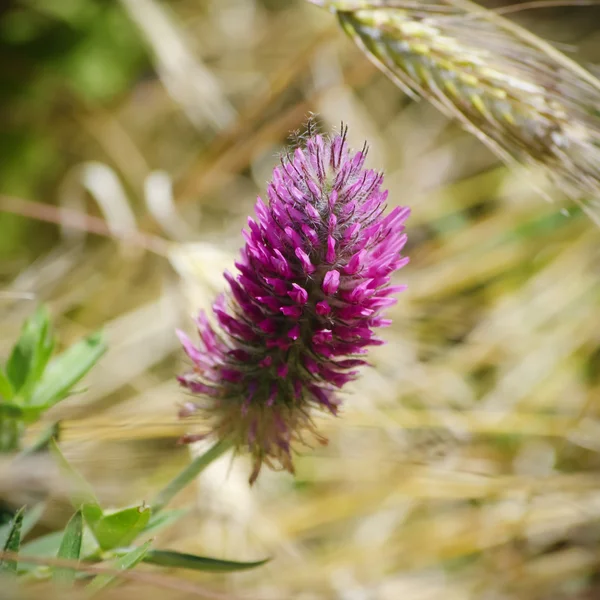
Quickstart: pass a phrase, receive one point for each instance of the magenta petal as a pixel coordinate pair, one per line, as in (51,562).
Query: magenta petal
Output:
(323,336)
(299,295)
(331,282)
(279,286)
(232,375)
(273,304)
(355,263)
(295,312)
(196,387)
(322,308)
(189,348)
(308,267)
(268,326)
(267,361)
(330,255)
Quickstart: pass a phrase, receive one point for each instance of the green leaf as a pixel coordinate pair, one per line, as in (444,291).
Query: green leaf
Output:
(188,475)
(48,545)
(121,528)
(45,545)
(13,411)
(31,352)
(92,513)
(170,558)
(12,543)
(6,388)
(66,370)
(70,547)
(124,563)
(30,520)
(81,490)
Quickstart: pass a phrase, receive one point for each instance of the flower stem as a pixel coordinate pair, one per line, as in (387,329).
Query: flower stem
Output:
(188,474)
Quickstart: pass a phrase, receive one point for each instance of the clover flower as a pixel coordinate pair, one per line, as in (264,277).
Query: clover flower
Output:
(313,280)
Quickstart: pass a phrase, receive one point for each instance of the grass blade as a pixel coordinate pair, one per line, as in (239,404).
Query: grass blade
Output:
(70,547)
(126,562)
(13,543)
(180,560)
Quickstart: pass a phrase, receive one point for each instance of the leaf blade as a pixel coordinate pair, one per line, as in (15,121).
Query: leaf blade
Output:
(6,389)
(13,543)
(126,562)
(121,528)
(181,560)
(27,357)
(70,547)
(67,369)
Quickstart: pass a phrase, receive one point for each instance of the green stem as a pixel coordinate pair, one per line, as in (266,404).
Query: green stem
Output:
(189,474)
(11,429)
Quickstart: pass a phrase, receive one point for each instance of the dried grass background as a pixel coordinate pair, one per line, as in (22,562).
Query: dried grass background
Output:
(465,464)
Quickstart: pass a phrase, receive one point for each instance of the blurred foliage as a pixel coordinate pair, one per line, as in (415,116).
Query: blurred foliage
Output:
(55,58)
(31,383)
(465,464)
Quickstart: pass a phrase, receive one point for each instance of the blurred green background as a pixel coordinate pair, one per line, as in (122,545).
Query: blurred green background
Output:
(135,136)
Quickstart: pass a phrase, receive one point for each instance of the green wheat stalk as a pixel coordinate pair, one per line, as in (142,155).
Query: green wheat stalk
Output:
(528,102)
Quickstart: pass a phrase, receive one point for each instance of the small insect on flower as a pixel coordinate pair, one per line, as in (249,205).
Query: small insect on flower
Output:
(313,279)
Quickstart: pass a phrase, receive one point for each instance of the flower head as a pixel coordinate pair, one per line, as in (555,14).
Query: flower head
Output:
(312,282)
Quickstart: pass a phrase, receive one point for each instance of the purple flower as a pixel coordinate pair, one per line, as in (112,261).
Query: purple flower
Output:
(314,278)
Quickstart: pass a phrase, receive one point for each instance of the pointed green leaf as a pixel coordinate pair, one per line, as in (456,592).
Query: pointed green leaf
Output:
(180,560)
(81,491)
(67,369)
(12,543)
(48,545)
(45,545)
(30,520)
(92,513)
(121,528)
(45,346)
(31,352)
(124,563)
(70,547)
(188,475)
(6,388)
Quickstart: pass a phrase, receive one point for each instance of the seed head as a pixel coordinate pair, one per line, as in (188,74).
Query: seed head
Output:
(528,102)
(313,280)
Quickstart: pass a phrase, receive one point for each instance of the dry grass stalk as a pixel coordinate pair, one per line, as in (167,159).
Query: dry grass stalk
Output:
(526,101)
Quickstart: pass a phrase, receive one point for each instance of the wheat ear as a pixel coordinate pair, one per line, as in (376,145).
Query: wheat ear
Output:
(524,99)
